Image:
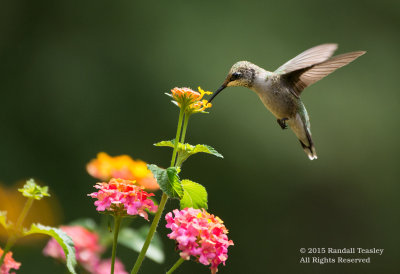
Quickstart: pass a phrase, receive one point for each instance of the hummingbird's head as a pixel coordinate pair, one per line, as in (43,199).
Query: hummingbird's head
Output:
(241,74)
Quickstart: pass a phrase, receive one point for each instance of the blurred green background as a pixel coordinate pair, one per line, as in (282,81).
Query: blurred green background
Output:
(79,77)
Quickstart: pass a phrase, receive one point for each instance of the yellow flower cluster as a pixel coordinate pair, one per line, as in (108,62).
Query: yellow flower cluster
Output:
(191,100)
(105,167)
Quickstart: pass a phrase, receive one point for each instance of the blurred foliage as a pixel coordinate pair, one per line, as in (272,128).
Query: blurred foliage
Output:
(79,77)
(128,237)
(46,211)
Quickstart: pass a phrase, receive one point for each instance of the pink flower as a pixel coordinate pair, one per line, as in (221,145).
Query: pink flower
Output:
(105,265)
(123,196)
(87,247)
(199,234)
(8,263)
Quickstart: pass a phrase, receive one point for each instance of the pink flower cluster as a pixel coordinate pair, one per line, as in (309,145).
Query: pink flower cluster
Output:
(201,235)
(88,251)
(105,265)
(8,263)
(123,195)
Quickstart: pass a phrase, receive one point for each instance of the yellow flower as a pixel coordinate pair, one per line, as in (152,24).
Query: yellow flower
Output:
(190,100)
(202,92)
(105,167)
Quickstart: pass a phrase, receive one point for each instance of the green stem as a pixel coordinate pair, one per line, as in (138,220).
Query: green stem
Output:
(178,133)
(185,124)
(17,229)
(117,223)
(176,265)
(150,235)
(163,201)
(25,210)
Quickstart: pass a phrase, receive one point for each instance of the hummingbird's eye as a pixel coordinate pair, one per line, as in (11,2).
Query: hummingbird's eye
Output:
(235,76)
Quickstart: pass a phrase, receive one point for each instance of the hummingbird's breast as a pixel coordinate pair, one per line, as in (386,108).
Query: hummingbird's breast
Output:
(276,96)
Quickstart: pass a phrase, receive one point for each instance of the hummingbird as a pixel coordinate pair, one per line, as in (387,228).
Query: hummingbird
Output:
(280,90)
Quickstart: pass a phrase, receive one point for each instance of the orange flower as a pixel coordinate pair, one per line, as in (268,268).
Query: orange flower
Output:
(185,95)
(105,167)
(190,100)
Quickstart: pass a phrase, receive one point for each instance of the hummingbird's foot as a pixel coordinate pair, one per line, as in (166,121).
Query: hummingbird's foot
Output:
(282,122)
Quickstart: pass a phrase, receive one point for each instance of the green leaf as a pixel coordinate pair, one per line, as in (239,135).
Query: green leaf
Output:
(134,239)
(161,176)
(3,220)
(62,239)
(186,150)
(176,185)
(206,149)
(195,195)
(33,190)
(168,180)
(165,144)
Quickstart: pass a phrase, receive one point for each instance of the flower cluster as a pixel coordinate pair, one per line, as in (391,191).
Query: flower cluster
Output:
(190,100)
(88,250)
(105,167)
(199,234)
(8,263)
(123,197)
(86,244)
(33,190)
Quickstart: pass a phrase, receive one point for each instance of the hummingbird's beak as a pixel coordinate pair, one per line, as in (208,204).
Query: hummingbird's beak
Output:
(216,92)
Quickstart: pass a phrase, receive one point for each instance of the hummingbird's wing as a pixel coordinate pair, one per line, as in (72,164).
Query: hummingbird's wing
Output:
(308,58)
(305,77)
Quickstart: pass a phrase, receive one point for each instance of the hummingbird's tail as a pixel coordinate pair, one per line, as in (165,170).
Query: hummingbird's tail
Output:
(301,127)
(309,149)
